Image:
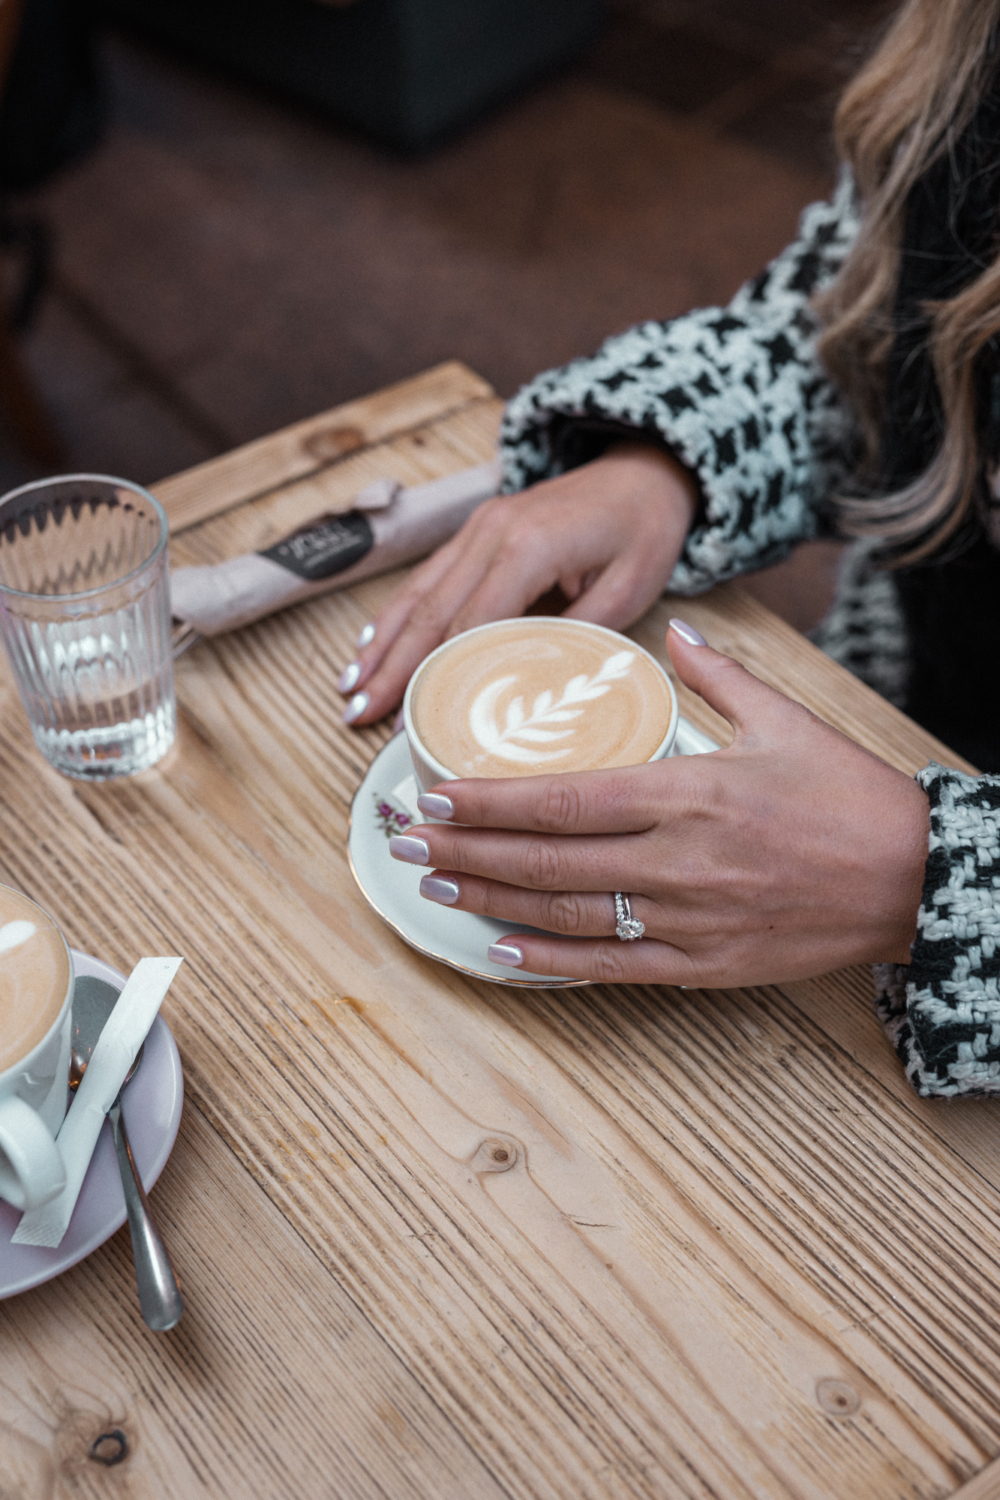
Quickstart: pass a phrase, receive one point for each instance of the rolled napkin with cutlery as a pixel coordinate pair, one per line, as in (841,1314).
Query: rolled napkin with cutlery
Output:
(120,1040)
(388,525)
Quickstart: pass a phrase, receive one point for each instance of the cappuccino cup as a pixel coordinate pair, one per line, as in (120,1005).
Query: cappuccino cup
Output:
(533,696)
(36,993)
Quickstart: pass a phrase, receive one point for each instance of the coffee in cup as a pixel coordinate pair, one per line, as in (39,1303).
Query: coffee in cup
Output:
(34,974)
(36,991)
(535,695)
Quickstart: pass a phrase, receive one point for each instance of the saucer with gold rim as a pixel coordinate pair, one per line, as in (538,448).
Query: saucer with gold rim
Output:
(385,804)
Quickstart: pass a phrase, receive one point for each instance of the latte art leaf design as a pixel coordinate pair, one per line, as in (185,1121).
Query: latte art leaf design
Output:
(13,934)
(545,711)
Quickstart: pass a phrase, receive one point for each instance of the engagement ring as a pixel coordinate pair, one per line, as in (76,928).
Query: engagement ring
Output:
(629,928)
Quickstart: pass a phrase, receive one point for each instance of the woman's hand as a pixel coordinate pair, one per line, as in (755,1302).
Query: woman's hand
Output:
(608,534)
(790,853)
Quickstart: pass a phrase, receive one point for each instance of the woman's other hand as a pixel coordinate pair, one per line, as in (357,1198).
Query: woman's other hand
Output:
(791,852)
(608,534)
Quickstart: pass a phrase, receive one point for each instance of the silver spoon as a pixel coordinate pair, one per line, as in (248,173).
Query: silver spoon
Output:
(159,1295)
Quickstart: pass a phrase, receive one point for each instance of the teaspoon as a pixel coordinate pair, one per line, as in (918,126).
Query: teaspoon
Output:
(159,1295)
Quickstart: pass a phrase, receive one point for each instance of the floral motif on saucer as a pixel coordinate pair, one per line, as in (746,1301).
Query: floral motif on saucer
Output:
(385,804)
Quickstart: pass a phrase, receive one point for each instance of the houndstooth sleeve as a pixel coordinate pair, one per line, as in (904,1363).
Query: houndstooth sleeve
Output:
(942,1011)
(736,393)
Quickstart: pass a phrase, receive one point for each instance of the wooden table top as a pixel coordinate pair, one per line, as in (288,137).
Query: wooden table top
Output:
(736,1257)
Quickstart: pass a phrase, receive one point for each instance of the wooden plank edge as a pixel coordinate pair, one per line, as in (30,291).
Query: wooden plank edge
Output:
(317,443)
(983,1486)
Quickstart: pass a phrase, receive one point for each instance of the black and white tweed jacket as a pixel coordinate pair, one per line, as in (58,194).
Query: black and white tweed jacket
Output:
(739,396)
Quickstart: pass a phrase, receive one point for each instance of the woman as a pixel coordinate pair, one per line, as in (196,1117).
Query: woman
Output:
(854,386)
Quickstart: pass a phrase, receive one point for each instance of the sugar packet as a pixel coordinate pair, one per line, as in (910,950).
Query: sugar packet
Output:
(388,525)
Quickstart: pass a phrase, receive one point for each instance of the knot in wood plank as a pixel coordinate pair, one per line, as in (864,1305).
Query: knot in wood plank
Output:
(495,1154)
(331,443)
(109,1448)
(837,1398)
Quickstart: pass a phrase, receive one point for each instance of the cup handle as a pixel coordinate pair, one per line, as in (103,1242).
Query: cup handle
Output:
(31,1167)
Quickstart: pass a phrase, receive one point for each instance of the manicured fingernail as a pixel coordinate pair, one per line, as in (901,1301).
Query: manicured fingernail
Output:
(688,633)
(505,953)
(410,850)
(437,888)
(366,637)
(434,805)
(355,708)
(348,678)
(397,722)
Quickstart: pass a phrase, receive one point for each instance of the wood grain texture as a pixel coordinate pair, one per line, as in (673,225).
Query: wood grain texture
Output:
(733,1254)
(310,446)
(247,1397)
(455,441)
(985,1486)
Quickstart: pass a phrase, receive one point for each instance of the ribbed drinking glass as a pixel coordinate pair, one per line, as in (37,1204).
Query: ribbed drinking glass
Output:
(85,620)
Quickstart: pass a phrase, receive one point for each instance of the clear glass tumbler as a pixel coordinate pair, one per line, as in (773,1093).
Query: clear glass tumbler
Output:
(85,619)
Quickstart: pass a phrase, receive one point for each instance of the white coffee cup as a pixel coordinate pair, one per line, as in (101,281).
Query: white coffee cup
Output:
(430,769)
(34,1094)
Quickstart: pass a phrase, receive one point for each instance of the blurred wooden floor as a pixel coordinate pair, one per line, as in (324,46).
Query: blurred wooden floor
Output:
(226,264)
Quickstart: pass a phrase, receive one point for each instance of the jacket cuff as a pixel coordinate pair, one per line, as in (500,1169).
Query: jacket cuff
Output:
(942,1011)
(735,393)
(663,382)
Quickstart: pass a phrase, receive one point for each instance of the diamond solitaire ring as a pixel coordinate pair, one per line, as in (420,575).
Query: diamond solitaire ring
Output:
(629,928)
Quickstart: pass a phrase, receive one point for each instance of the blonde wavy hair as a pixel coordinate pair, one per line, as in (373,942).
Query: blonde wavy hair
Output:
(905,108)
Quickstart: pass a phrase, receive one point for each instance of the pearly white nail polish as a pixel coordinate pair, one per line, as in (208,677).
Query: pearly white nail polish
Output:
(355,708)
(434,805)
(438,888)
(505,953)
(348,679)
(366,637)
(688,633)
(410,849)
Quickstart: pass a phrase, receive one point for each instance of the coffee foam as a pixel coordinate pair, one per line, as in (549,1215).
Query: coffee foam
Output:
(34,975)
(527,697)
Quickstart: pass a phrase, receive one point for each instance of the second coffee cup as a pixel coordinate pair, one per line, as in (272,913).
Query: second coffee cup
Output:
(535,695)
(36,994)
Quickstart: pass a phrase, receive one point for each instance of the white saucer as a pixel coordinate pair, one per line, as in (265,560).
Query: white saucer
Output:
(456,938)
(152,1108)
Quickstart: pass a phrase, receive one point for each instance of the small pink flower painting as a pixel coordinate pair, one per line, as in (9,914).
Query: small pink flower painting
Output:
(390,819)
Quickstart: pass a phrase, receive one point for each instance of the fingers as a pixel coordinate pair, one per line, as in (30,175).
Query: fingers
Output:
(392,619)
(534,550)
(569,913)
(608,534)
(489,571)
(605,961)
(627,799)
(415,622)
(730,689)
(522,548)
(537,862)
(506,591)
(617,595)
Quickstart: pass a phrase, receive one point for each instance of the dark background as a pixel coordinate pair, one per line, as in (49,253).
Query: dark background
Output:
(226,261)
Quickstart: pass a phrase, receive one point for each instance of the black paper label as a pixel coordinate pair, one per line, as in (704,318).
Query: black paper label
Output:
(325,547)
